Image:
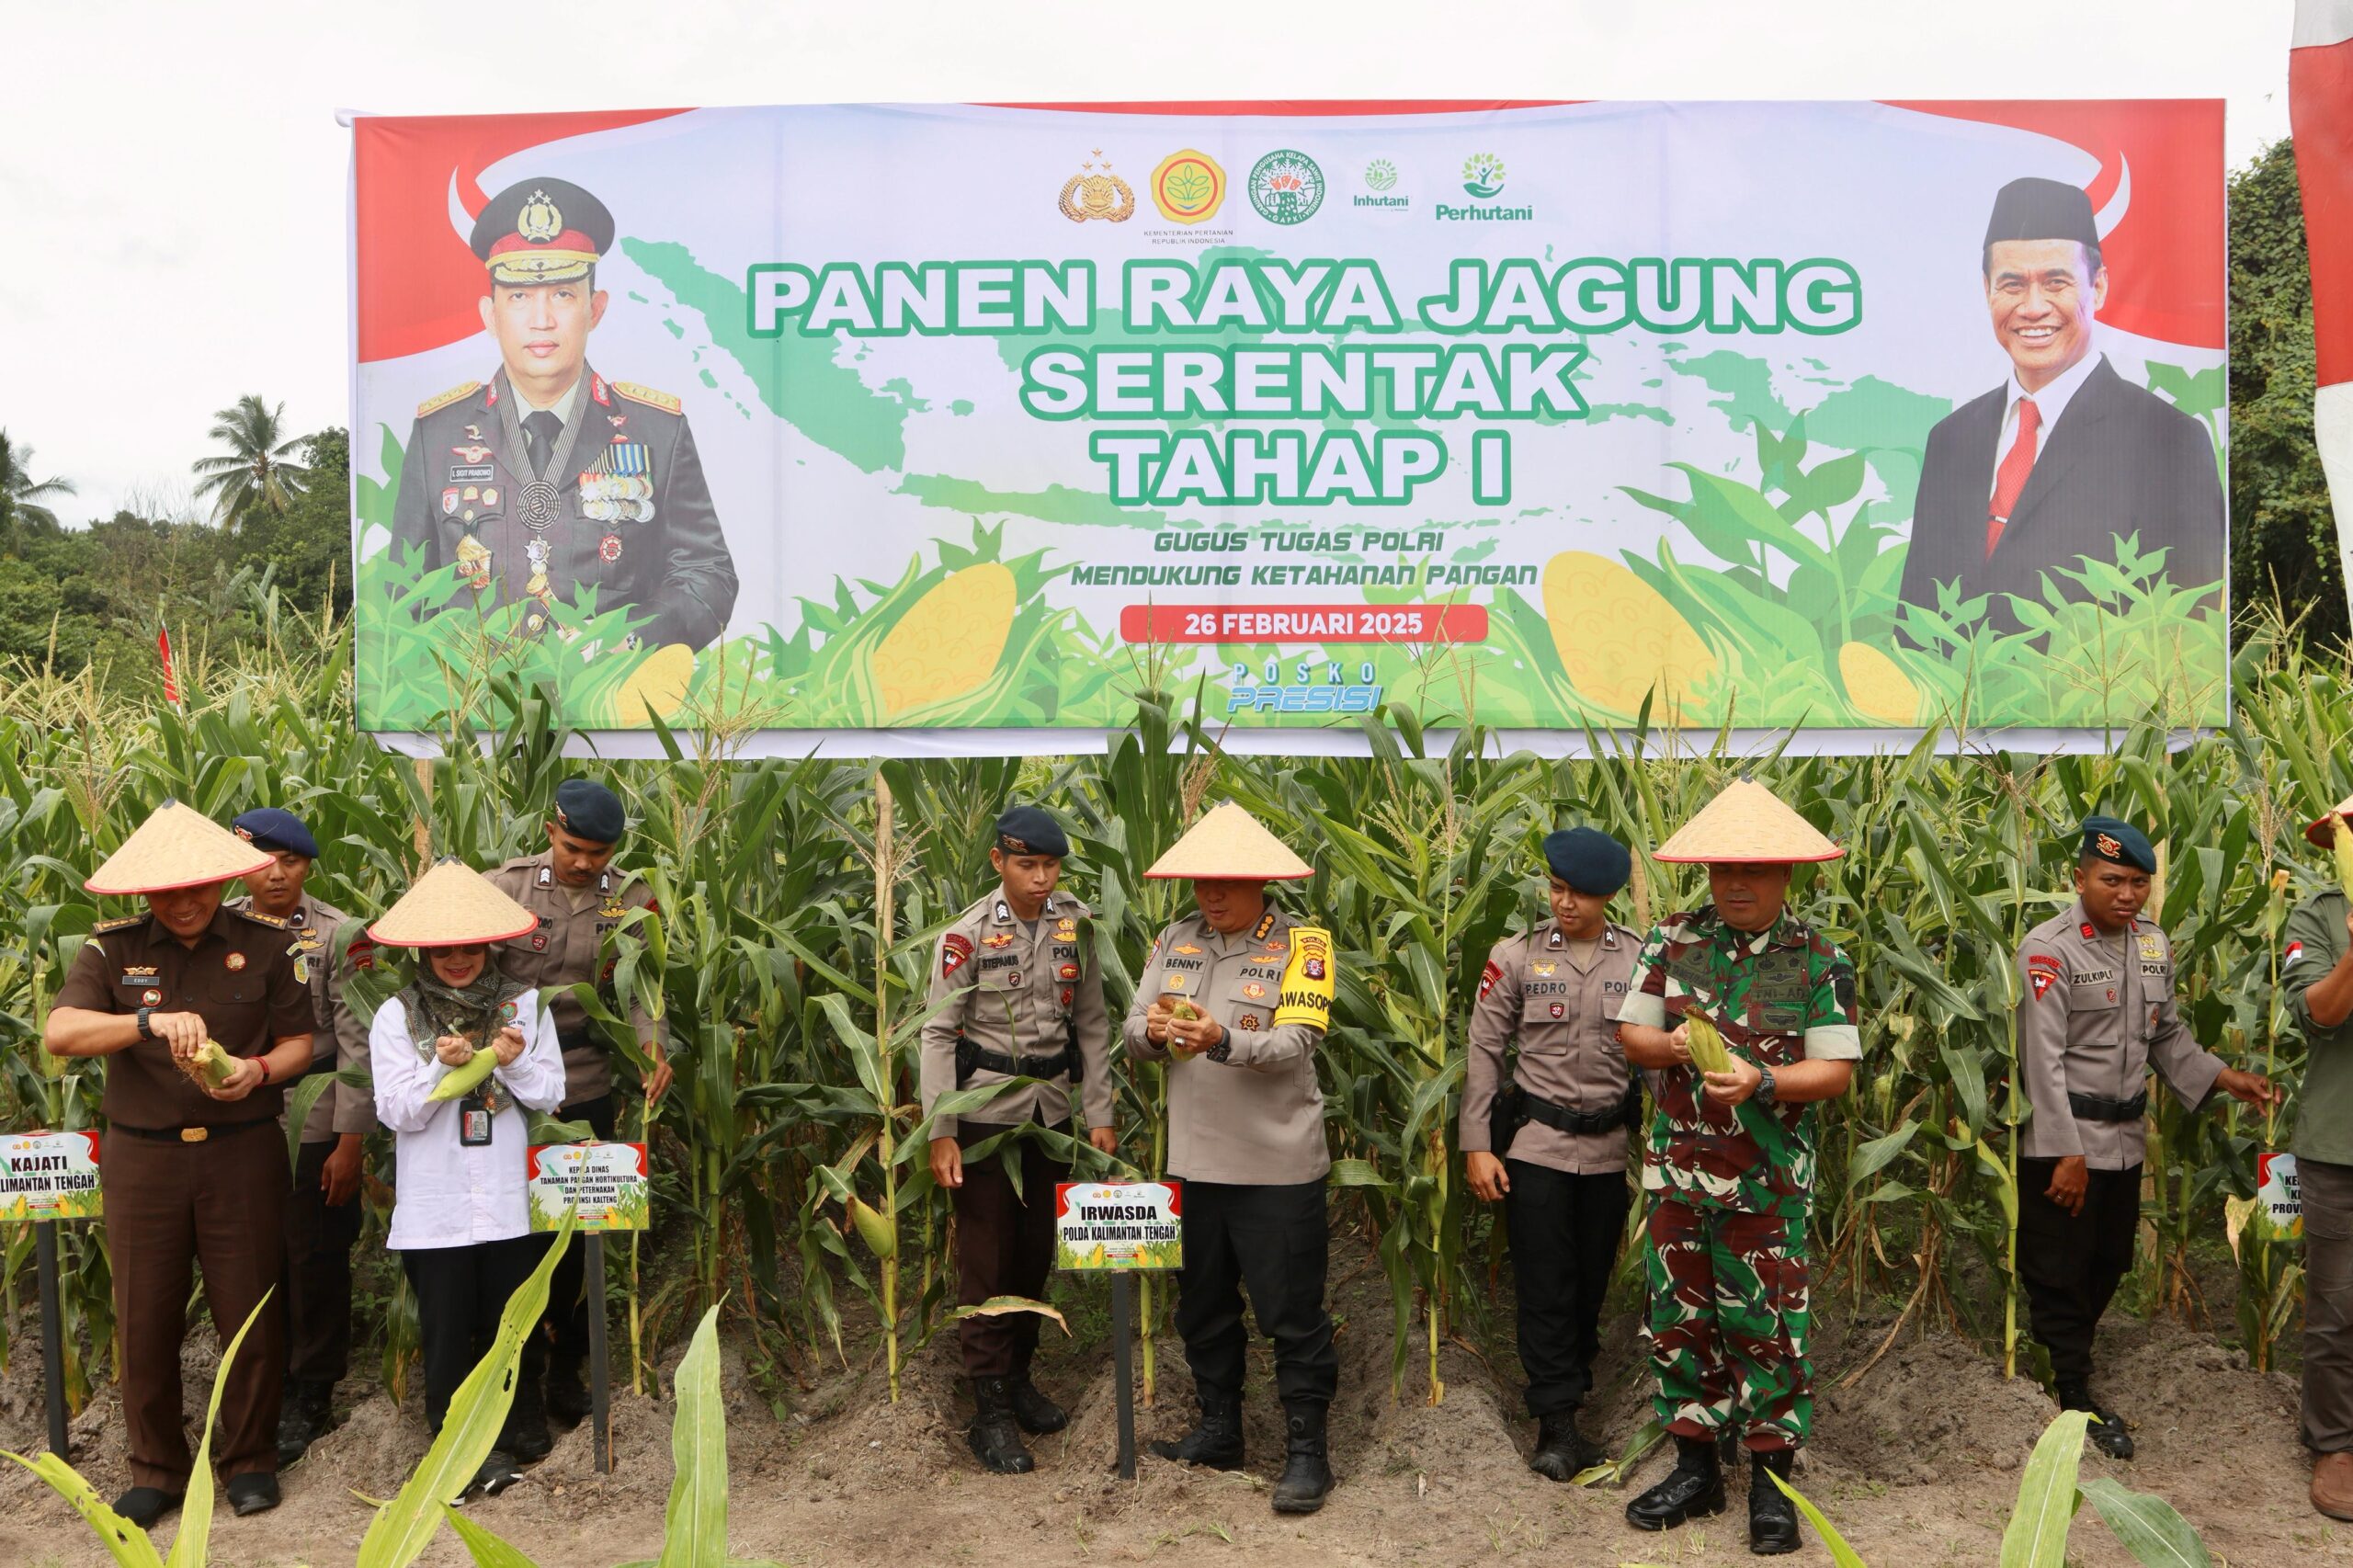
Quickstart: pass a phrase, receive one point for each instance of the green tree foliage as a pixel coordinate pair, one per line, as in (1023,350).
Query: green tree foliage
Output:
(24,499)
(259,472)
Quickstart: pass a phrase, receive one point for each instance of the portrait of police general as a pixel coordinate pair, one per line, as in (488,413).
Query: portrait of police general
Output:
(549,478)
(2066,456)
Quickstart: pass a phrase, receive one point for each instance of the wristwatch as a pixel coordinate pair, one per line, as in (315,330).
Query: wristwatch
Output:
(147,1027)
(1764,1085)
(1224,1049)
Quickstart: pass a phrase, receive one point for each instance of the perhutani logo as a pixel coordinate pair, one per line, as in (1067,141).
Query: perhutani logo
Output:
(1380,178)
(1189,186)
(1286,187)
(1483,176)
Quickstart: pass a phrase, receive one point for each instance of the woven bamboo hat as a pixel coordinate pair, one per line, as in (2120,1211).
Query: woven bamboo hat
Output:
(1746,824)
(2319,835)
(178,846)
(1230,844)
(452,903)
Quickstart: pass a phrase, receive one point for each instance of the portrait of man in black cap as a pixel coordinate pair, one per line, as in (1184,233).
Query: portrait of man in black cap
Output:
(548,480)
(2066,456)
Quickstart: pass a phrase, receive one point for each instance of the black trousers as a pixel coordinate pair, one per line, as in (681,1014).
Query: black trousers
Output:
(1564,1229)
(1005,1247)
(1275,1242)
(460,1291)
(566,1324)
(2071,1263)
(319,1238)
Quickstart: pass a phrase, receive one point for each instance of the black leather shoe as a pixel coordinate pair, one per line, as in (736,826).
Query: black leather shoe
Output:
(1772,1517)
(143,1506)
(1307,1466)
(1215,1441)
(305,1417)
(1032,1410)
(2107,1430)
(1560,1450)
(496,1474)
(255,1491)
(567,1394)
(1692,1490)
(525,1436)
(995,1437)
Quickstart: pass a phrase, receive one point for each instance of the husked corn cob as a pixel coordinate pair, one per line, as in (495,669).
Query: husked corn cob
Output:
(1707,1044)
(212,1063)
(463,1081)
(1180,1008)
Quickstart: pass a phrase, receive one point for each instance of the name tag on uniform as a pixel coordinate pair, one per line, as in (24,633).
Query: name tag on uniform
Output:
(474,1123)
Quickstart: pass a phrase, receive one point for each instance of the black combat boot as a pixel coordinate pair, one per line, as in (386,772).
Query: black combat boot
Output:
(525,1437)
(1772,1516)
(2107,1430)
(1216,1438)
(1032,1409)
(1560,1450)
(303,1419)
(1692,1490)
(1307,1468)
(994,1437)
(567,1392)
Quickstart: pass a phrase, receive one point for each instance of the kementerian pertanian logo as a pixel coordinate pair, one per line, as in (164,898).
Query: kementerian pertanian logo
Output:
(1187,186)
(1483,176)
(1286,187)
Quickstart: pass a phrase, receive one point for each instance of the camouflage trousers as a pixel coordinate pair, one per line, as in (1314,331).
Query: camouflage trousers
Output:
(1727,1326)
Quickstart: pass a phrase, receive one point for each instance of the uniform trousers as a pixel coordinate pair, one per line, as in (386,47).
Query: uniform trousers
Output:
(2328,1191)
(2071,1263)
(319,1238)
(566,1323)
(1728,1323)
(461,1293)
(1005,1247)
(1564,1229)
(1275,1242)
(172,1207)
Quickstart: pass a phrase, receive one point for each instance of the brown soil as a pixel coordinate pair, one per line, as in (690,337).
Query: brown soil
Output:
(1918,1464)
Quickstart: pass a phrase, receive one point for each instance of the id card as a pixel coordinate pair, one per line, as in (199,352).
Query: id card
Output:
(474,1123)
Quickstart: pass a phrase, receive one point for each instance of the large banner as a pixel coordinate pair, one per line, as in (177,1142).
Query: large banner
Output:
(866,422)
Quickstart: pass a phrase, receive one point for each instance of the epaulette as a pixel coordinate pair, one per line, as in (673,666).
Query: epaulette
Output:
(648,396)
(123,923)
(275,922)
(435,404)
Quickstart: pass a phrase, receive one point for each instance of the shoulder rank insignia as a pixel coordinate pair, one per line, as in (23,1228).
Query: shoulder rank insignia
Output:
(124,923)
(648,396)
(276,923)
(1266,924)
(435,404)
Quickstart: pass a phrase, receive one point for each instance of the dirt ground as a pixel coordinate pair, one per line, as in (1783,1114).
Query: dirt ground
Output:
(1917,1465)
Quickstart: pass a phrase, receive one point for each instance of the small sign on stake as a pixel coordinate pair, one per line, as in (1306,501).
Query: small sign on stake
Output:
(2280,1205)
(608,1182)
(45,1177)
(1121,1228)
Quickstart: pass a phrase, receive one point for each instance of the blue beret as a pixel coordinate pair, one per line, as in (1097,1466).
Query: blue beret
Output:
(2119,843)
(269,827)
(585,808)
(1589,861)
(1027,830)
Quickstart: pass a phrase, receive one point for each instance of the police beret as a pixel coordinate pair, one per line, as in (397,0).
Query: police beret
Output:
(2119,844)
(1027,830)
(268,827)
(543,231)
(585,808)
(1589,861)
(2042,210)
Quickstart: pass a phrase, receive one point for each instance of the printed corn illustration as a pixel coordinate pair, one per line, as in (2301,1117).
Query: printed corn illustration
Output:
(1617,636)
(948,643)
(1877,687)
(655,688)
(462,1081)
(1707,1043)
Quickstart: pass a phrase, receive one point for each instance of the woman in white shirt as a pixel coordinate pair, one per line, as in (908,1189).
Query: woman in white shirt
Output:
(461,1220)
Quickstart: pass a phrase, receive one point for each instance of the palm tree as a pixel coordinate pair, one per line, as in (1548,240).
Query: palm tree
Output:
(257,472)
(21,496)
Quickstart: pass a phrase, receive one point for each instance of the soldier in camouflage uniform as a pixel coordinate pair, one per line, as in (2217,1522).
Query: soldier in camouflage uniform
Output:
(1730,1163)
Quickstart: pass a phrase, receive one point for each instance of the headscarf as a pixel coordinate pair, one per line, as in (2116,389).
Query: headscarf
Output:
(474,1012)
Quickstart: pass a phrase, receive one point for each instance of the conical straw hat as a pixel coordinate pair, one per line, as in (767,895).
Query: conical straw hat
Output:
(2319,835)
(178,846)
(1746,824)
(450,904)
(1229,843)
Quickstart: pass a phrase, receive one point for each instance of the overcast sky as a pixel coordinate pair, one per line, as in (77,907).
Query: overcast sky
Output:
(171,176)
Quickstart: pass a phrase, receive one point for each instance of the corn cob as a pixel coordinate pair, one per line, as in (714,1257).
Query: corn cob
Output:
(2344,837)
(212,1063)
(462,1081)
(1706,1043)
(880,1238)
(1180,1008)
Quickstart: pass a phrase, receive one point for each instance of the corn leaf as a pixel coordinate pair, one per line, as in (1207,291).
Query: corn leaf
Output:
(2149,1527)
(1842,1554)
(488,1548)
(2037,1535)
(999,1306)
(694,1525)
(127,1542)
(195,1533)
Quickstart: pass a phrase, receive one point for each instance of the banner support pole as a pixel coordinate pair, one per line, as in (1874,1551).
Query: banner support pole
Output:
(52,1335)
(600,1394)
(1123,1371)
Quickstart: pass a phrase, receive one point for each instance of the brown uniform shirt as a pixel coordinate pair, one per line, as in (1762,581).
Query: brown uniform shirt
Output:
(2094,1015)
(568,949)
(1565,1019)
(239,978)
(1257,1117)
(336,1035)
(1011,989)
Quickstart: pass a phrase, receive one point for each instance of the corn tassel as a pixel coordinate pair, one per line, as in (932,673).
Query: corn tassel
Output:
(462,1081)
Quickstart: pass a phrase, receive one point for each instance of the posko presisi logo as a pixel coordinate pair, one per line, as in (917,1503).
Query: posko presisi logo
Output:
(1286,187)
(1187,186)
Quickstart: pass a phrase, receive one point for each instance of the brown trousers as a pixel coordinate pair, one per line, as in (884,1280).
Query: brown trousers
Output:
(1005,1247)
(169,1207)
(2327,1192)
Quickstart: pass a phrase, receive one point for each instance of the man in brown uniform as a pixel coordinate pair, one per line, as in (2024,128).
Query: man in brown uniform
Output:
(1549,1140)
(322,1211)
(194,1175)
(1023,998)
(1239,996)
(579,899)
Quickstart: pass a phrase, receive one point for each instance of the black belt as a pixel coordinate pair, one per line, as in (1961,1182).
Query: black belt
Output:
(577,1039)
(2092,1107)
(191,1134)
(971,1058)
(1565,1118)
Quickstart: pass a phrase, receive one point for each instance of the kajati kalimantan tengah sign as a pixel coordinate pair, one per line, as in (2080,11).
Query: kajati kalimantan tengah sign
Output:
(49,1175)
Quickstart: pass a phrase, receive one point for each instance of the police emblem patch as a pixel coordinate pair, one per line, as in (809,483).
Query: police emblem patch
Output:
(450,502)
(608,548)
(1247,1021)
(1067,994)
(1254,991)
(236,961)
(1313,969)
(1560,1010)
(1013,977)
(954,949)
(2044,972)
(1487,978)
(1070,971)
(151,998)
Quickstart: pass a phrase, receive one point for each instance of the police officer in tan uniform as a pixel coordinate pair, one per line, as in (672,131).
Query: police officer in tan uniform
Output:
(1548,1140)
(579,901)
(2096,1011)
(1023,999)
(323,1213)
(195,1172)
(1237,997)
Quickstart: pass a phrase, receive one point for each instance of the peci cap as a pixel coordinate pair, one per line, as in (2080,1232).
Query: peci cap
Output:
(1028,830)
(452,903)
(542,231)
(1749,825)
(585,808)
(1589,861)
(2042,210)
(273,828)
(176,846)
(1228,844)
